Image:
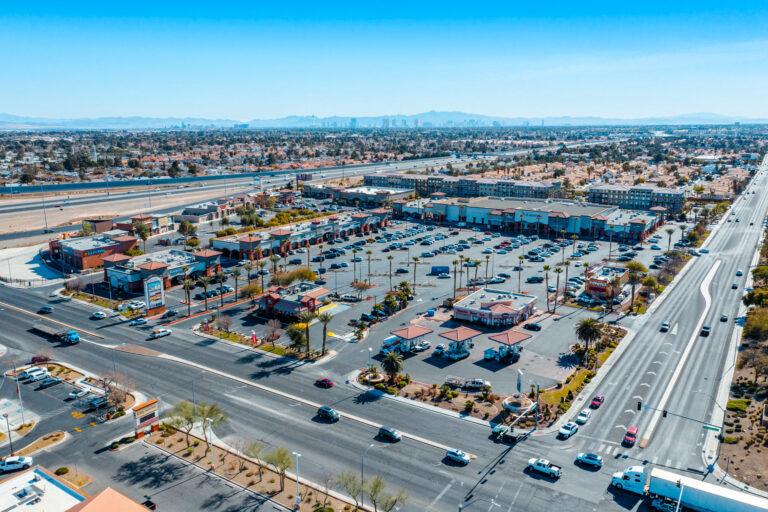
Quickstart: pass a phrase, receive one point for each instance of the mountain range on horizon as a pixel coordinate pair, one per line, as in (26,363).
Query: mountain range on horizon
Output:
(436,119)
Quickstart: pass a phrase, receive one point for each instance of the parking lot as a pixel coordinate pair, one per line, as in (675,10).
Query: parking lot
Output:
(545,355)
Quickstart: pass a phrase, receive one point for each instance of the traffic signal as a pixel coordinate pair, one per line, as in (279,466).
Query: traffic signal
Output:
(639,405)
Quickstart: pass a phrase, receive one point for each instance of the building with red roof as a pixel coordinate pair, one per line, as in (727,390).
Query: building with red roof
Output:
(494,307)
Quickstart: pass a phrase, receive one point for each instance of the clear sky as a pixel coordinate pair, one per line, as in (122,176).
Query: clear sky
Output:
(262,59)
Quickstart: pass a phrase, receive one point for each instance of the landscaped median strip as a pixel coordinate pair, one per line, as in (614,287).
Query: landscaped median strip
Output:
(298,399)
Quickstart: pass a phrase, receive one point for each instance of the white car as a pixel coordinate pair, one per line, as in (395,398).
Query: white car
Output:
(137,304)
(15,463)
(160,332)
(583,416)
(29,372)
(138,321)
(78,393)
(422,346)
(567,430)
(99,315)
(457,456)
(38,376)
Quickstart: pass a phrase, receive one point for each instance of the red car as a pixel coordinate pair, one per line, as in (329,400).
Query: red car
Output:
(324,383)
(630,438)
(597,401)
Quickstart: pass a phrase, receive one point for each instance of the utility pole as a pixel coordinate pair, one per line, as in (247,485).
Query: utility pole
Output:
(45,214)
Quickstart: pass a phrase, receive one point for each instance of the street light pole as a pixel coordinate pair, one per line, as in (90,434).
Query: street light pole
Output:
(298,495)
(370,351)
(8,426)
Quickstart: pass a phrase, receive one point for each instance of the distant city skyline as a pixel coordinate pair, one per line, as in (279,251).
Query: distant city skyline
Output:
(245,61)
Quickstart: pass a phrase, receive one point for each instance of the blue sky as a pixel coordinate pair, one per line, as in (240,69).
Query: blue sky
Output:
(261,59)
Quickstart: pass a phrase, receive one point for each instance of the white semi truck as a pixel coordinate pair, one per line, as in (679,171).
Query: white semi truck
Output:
(694,494)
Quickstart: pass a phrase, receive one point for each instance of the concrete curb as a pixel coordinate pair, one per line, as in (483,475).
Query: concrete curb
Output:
(352,379)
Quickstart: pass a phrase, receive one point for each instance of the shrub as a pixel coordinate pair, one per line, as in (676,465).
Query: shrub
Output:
(469,405)
(730,440)
(391,390)
(739,404)
(61,471)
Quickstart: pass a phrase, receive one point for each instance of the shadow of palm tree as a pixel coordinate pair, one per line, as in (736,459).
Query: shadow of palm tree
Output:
(567,360)
(150,471)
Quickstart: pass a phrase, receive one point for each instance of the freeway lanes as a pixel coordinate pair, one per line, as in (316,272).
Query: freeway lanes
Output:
(646,367)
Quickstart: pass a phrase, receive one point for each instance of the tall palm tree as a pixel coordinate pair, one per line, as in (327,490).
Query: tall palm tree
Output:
(236,275)
(306,317)
(615,283)
(669,232)
(636,274)
(477,267)
(588,331)
(188,284)
(461,269)
(682,230)
(325,319)
(455,273)
(487,261)
(392,364)
(520,260)
(205,281)
(574,239)
(248,267)
(261,264)
(558,271)
(220,279)
(368,253)
(567,264)
(389,259)
(274,258)
(547,268)
(415,263)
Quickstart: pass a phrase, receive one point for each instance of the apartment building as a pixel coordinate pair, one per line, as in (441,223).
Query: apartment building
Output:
(640,197)
(465,186)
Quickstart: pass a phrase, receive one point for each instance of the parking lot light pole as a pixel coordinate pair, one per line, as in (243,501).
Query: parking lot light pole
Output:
(370,351)
(298,495)
(8,426)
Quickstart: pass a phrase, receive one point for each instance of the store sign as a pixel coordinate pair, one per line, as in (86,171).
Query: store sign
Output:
(146,414)
(154,293)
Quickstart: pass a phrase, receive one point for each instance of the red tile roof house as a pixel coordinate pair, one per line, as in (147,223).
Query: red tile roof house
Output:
(290,301)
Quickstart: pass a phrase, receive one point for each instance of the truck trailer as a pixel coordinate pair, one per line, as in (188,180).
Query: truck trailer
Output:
(693,494)
(70,336)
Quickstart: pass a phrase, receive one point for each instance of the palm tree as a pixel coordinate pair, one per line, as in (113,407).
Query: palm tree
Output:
(477,267)
(306,317)
(354,264)
(574,239)
(236,275)
(211,416)
(547,268)
(261,264)
(205,281)
(248,267)
(188,284)
(682,230)
(669,232)
(369,253)
(389,259)
(392,364)
(274,258)
(520,261)
(558,271)
(461,269)
(325,319)
(487,261)
(455,273)
(636,271)
(220,279)
(588,330)
(567,264)
(615,283)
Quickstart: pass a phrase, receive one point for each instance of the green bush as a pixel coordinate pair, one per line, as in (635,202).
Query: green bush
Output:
(61,471)
(469,405)
(730,440)
(739,404)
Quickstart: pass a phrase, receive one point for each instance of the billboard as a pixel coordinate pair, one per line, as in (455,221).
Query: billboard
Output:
(154,293)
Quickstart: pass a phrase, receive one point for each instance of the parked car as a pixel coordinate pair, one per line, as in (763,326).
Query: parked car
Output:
(532,326)
(15,463)
(36,377)
(457,455)
(49,381)
(77,394)
(29,372)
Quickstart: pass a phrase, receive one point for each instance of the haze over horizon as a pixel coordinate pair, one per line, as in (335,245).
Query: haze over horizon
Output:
(245,61)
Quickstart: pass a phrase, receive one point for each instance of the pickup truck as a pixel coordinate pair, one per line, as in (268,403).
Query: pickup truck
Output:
(544,467)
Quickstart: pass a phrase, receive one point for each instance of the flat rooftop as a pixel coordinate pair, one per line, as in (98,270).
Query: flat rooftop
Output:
(378,190)
(88,243)
(493,203)
(170,257)
(484,298)
(606,273)
(36,490)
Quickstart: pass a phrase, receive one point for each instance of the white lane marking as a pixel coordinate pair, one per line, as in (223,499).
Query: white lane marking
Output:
(442,493)
(650,373)
(673,332)
(656,362)
(704,289)
(645,384)
(514,498)
(631,411)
